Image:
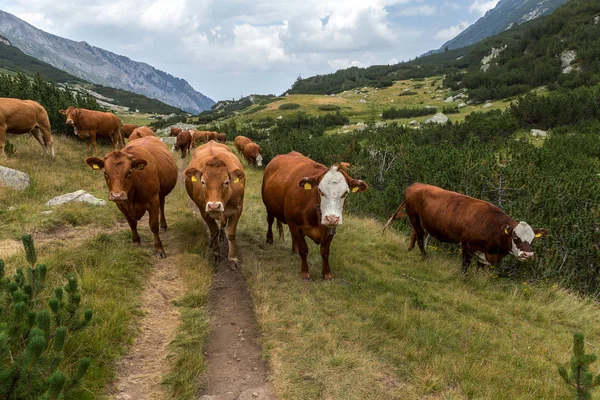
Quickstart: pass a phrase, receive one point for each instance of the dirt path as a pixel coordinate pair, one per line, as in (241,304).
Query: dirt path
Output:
(140,372)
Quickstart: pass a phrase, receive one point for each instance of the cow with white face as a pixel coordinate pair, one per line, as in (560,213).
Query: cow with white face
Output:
(309,198)
(483,230)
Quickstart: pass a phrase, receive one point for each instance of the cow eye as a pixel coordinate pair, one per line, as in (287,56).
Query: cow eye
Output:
(226,183)
(203,183)
(129,173)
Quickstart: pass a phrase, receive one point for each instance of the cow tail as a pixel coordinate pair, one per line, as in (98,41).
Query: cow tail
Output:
(280,230)
(121,139)
(396,215)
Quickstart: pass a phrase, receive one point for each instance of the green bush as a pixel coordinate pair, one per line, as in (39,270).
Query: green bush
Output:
(289,106)
(328,107)
(33,332)
(394,113)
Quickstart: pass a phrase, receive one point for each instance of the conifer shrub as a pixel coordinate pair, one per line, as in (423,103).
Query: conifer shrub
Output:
(289,106)
(34,329)
(579,377)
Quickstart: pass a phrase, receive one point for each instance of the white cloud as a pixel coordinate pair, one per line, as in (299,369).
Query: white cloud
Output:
(480,7)
(342,63)
(451,32)
(423,9)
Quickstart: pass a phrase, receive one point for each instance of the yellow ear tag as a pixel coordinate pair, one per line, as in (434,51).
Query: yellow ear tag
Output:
(506,231)
(236,180)
(355,189)
(307,186)
(94,166)
(538,235)
(194,179)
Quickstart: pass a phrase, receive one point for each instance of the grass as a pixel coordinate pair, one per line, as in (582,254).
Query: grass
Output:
(111,272)
(391,326)
(423,93)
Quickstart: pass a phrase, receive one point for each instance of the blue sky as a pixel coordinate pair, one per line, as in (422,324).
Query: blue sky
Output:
(229,48)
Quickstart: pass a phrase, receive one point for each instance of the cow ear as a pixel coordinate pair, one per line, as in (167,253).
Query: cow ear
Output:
(237,175)
(95,162)
(191,174)
(139,164)
(540,232)
(357,186)
(63,112)
(506,229)
(307,183)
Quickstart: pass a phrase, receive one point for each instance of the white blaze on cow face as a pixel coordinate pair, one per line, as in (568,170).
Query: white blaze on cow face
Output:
(259,160)
(522,238)
(333,190)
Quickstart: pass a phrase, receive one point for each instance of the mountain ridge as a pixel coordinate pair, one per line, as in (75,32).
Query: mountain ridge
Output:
(101,66)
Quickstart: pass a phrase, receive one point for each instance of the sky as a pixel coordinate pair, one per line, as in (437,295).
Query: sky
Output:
(231,48)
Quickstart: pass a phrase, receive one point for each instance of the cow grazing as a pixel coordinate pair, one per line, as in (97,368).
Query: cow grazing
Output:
(212,135)
(483,230)
(90,125)
(221,138)
(252,154)
(127,129)
(184,141)
(175,131)
(25,116)
(141,132)
(139,177)
(199,137)
(215,181)
(240,142)
(309,198)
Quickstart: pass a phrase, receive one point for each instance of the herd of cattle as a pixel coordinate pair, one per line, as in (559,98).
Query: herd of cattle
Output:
(307,196)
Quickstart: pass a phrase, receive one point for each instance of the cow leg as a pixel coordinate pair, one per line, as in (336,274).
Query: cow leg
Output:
(154,217)
(300,243)
(413,240)
(214,235)
(2,141)
(37,134)
(47,136)
(326,272)
(163,220)
(270,220)
(466,257)
(231,229)
(93,141)
(132,224)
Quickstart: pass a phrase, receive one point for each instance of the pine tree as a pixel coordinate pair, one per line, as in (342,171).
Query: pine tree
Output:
(580,378)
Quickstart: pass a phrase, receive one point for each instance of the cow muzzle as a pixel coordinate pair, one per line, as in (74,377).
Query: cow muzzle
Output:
(331,220)
(525,255)
(70,122)
(214,206)
(117,196)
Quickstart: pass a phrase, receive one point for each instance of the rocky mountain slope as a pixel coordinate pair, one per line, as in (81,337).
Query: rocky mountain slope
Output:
(102,67)
(502,17)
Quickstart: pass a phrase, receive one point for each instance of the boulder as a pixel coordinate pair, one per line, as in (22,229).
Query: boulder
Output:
(449,100)
(79,195)
(462,105)
(413,123)
(14,179)
(361,126)
(169,141)
(538,132)
(487,105)
(362,101)
(438,118)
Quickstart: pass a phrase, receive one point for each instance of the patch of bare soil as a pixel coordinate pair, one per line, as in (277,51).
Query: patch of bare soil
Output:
(62,233)
(140,372)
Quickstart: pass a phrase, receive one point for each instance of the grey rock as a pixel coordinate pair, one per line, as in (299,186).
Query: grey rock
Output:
(462,105)
(361,126)
(169,140)
(414,122)
(46,212)
(486,105)
(80,195)
(438,118)
(362,101)
(538,132)
(14,179)
(449,100)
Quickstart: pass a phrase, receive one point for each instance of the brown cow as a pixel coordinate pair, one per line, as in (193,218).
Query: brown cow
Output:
(198,137)
(139,177)
(25,116)
(309,198)
(222,138)
(90,125)
(175,131)
(142,131)
(252,154)
(212,135)
(215,182)
(483,230)
(240,142)
(184,141)
(127,129)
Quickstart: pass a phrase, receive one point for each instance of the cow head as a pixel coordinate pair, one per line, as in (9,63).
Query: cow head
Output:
(72,115)
(119,168)
(332,188)
(521,239)
(215,182)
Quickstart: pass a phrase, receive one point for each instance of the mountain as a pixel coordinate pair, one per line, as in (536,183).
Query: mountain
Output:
(13,60)
(102,67)
(504,16)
